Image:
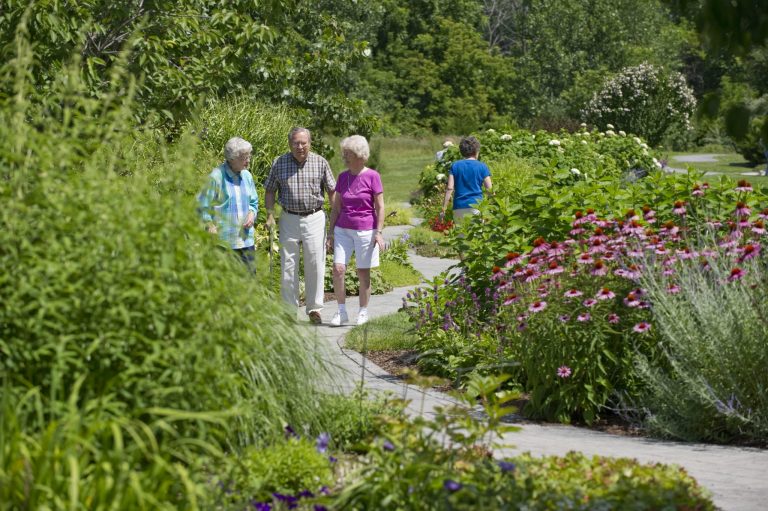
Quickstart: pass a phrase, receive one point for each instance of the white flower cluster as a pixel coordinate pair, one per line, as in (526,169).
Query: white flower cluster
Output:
(506,137)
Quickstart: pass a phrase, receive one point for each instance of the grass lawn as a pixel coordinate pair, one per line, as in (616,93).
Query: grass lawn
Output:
(732,165)
(392,332)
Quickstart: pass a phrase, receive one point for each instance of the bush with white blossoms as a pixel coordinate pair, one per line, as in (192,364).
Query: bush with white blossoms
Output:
(646,100)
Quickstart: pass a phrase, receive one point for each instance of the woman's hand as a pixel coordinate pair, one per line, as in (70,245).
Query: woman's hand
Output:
(329,243)
(379,240)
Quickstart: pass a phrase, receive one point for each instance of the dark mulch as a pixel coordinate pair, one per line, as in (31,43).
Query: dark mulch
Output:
(396,361)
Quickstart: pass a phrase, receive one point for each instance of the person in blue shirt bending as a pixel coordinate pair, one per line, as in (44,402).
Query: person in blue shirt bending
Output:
(467,177)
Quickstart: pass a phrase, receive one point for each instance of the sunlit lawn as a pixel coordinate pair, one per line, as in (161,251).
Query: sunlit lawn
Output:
(732,165)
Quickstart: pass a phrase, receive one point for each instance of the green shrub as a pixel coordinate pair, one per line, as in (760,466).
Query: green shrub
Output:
(713,334)
(265,126)
(287,467)
(379,284)
(117,286)
(643,99)
(397,215)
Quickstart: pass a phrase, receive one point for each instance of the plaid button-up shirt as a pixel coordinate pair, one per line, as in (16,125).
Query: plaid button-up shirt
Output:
(300,186)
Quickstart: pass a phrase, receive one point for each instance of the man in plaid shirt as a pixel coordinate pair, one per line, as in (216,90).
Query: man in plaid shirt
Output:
(299,178)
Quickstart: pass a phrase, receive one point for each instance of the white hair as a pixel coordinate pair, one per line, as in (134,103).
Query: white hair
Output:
(358,145)
(236,147)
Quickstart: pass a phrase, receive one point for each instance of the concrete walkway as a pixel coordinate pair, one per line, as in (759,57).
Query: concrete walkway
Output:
(737,477)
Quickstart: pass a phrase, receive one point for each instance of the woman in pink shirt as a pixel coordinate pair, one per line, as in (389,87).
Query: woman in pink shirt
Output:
(357,220)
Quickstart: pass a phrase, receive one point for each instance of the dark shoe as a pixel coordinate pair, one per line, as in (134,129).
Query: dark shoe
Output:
(315,319)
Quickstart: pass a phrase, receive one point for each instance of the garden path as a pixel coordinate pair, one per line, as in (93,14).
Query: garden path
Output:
(736,476)
(703,158)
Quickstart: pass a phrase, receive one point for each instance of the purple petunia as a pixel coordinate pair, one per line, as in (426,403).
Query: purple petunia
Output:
(452,485)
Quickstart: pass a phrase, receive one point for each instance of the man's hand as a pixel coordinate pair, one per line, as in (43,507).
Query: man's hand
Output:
(212,229)
(270,223)
(249,220)
(329,244)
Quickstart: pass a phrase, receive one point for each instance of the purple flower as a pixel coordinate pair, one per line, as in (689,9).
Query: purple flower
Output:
(319,507)
(641,327)
(289,432)
(261,506)
(451,485)
(306,494)
(388,446)
(506,466)
(584,317)
(322,442)
(563,371)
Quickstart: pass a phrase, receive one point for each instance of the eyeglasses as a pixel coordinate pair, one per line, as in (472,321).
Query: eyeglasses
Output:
(299,144)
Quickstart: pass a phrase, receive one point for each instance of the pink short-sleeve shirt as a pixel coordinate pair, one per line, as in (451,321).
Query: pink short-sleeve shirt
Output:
(357,199)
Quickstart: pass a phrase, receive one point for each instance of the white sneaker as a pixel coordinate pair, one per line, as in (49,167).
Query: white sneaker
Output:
(339,318)
(362,318)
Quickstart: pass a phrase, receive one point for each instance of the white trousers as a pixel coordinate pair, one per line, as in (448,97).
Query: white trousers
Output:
(307,231)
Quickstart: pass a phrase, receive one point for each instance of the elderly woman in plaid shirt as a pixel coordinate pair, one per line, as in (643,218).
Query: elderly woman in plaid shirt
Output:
(300,178)
(228,204)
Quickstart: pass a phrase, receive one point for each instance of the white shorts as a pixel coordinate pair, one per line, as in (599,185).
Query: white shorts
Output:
(460,213)
(346,241)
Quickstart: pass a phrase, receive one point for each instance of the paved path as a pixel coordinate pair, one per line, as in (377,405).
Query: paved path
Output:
(736,476)
(704,158)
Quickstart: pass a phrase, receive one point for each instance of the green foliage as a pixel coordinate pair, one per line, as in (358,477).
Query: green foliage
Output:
(397,215)
(576,481)
(279,51)
(93,457)
(287,467)
(738,102)
(385,333)
(428,243)
(712,386)
(265,126)
(379,284)
(643,99)
(409,468)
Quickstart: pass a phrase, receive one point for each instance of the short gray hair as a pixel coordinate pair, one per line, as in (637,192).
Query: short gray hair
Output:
(298,129)
(236,147)
(358,145)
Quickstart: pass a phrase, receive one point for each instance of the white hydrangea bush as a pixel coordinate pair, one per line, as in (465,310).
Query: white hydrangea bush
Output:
(646,100)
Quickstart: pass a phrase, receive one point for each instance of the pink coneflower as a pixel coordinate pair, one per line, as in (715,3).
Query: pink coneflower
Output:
(709,253)
(641,327)
(743,186)
(679,208)
(585,259)
(572,293)
(673,289)
(686,253)
(631,300)
(668,271)
(660,250)
(584,317)
(613,318)
(522,326)
(563,371)
(513,258)
(758,227)
(714,224)
(539,246)
(608,256)
(697,191)
(736,274)
(635,253)
(556,249)
(644,304)
(749,251)
(537,306)
(576,231)
(596,246)
(763,214)
(496,273)
(565,318)
(605,294)
(705,185)
(630,214)
(589,302)
(649,215)
(742,209)
(599,269)
(579,218)
(554,268)
(669,229)
(529,275)
(633,272)
(513,298)
(743,222)
(598,234)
